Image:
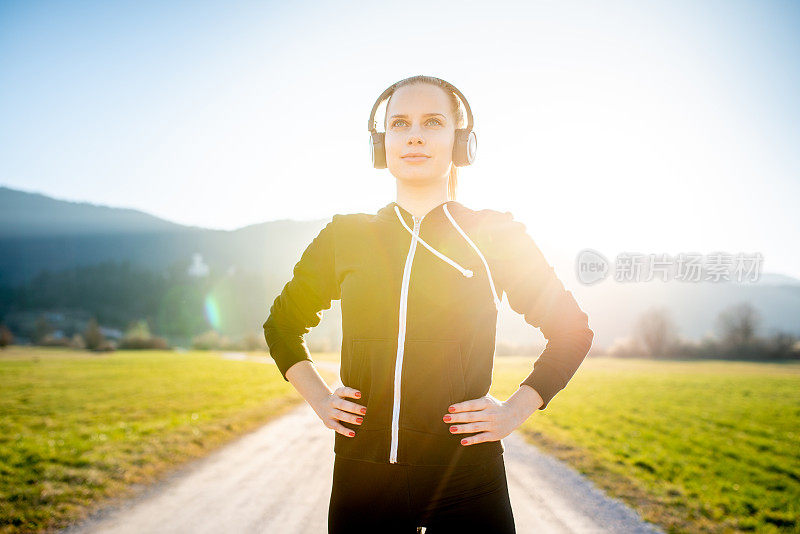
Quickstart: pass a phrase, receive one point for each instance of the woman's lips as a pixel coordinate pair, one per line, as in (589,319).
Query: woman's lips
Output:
(415,159)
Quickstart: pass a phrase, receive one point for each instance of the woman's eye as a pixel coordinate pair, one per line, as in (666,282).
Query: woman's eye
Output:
(397,122)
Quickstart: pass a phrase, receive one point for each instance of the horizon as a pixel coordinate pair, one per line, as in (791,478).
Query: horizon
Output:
(550,258)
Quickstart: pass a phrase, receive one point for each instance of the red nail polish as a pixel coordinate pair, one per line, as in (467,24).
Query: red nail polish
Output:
(451,409)
(359,419)
(358,394)
(453,428)
(463,441)
(352,433)
(446,418)
(363,410)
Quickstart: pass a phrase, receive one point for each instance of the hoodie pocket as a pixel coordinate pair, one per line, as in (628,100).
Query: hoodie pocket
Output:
(433,379)
(372,371)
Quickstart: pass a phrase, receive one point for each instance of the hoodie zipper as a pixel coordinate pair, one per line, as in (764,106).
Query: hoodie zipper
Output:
(401,340)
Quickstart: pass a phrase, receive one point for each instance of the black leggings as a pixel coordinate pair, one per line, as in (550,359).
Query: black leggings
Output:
(383,497)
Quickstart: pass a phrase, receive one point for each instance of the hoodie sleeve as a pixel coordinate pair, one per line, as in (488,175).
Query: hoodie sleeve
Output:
(299,306)
(534,290)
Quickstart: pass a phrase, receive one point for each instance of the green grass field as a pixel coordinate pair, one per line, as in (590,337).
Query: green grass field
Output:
(79,428)
(694,446)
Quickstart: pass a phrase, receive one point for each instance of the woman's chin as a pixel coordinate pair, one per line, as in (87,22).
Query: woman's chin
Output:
(423,171)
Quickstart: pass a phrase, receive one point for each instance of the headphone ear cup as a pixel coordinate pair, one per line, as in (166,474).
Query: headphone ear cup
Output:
(377,150)
(465,145)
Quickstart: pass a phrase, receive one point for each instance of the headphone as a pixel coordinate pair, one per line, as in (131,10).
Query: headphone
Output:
(464,146)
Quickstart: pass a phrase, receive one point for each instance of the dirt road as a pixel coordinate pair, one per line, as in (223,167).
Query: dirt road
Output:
(277,480)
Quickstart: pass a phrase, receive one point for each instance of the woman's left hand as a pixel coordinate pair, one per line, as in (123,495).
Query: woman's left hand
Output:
(492,418)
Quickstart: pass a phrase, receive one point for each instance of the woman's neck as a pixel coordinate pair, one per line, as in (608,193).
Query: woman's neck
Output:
(420,202)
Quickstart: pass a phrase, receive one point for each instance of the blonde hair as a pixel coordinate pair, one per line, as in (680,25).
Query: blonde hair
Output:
(455,109)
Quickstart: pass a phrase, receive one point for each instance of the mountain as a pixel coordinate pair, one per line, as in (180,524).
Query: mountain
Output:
(26,215)
(41,233)
(38,232)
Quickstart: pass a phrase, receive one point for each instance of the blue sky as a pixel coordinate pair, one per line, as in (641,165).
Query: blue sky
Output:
(621,126)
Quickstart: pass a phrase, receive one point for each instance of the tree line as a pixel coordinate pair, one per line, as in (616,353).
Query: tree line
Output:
(737,336)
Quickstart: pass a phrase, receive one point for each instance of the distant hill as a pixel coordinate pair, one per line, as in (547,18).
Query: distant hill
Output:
(25,215)
(38,232)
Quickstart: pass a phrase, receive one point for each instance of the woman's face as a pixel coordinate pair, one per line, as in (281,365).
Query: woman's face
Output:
(419,121)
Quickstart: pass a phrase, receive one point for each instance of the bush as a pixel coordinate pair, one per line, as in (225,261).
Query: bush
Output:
(106,346)
(656,333)
(6,337)
(93,337)
(77,342)
(213,340)
(136,343)
(255,342)
(228,344)
(626,347)
(51,341)
(209,340)
(138,337)
(782,345)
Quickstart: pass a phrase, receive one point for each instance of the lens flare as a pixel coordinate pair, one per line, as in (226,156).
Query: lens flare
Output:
(212,312)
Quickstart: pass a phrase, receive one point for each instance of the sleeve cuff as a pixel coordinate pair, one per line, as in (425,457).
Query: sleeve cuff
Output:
(285,354)
(545,386)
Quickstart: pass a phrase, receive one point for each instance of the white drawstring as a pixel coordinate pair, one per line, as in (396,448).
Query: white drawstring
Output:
(466,272)
(485,264)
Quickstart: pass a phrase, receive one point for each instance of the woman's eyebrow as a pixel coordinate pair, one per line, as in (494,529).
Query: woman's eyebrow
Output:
(424,115)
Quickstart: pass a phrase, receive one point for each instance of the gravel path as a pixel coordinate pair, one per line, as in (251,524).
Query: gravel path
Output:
(277,480)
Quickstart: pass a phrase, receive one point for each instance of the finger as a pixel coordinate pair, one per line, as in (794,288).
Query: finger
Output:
(348,406)
(478,438)
(467,417)
(345,391)
(468,405)
(466,428)
(341,429)
(345,416)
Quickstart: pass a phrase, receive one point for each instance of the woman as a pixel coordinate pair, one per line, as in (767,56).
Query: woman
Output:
(418,437)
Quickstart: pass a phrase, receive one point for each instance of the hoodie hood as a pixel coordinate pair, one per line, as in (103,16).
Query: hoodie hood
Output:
(434,216)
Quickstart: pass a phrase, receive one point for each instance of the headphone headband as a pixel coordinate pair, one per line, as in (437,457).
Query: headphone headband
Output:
(372,125)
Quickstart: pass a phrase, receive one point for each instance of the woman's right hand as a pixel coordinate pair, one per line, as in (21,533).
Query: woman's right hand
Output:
(334,408)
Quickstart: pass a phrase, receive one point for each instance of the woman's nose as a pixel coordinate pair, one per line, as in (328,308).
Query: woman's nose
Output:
(415,135)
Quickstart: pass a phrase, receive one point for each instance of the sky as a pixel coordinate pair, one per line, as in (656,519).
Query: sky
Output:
(649,127)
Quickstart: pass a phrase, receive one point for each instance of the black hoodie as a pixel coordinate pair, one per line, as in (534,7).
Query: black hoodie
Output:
(419,300)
